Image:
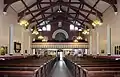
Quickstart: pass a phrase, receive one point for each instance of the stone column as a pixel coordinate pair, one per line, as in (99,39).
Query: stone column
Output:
(108,40)
(22,43)
(11,42)
(90,43)
(29,45)
(97,43)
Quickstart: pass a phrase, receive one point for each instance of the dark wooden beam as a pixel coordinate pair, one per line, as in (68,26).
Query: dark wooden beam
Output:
(42,11)
(29,10)
(86,4)
(23,11)
(58,20)
(10,1)
(76,16)
(110,1)
(66,6)
(52,7)
(90,12)
(82,14)
(55,14)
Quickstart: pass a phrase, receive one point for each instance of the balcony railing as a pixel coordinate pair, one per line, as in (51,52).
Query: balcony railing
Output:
(60,45)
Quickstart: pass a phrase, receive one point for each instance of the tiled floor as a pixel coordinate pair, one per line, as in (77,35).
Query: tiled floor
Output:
(60,70)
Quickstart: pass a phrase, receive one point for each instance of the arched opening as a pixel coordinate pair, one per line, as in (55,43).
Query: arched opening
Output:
(60,35)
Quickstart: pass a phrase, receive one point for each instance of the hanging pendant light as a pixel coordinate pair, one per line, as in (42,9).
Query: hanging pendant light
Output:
(79,37)
(75,41)
(23,22)
(86,31)
(45,39)
(97,22)
(40,36)
(35,31)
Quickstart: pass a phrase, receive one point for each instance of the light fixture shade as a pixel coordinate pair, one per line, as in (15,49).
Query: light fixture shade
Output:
(35,32)
(40,37)
(72,27)
(80,30)
(76,28)
(39,29)
(24,23)
(85,32)
(97,22)
(44,28)
(75,41)
(45,39)
(48,27)
(79,38)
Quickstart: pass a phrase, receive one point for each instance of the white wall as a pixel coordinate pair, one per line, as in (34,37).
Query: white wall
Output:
(5,22)
(114,21)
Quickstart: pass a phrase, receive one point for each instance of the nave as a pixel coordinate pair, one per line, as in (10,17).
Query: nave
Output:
(69,66)
(60,70)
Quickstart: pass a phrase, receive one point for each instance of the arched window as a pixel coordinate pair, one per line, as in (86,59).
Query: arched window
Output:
(48,27)
(72,27)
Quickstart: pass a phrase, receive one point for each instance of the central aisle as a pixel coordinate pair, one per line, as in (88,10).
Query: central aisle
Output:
(60,70)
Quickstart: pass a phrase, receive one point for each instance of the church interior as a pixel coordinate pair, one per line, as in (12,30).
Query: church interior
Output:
(59,38)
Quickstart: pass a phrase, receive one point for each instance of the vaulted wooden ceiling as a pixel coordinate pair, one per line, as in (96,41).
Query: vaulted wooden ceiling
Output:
(82,11)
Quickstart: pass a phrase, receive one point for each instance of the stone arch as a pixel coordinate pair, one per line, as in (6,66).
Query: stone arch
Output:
(60,31)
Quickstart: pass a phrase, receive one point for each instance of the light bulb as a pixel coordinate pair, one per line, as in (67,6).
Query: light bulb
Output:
(116,13)
(80,30)
(79,38)
(5,13)
(24,23)
(75,40)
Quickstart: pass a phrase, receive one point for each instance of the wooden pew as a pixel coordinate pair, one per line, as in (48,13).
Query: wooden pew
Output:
(96,68)
(25,67)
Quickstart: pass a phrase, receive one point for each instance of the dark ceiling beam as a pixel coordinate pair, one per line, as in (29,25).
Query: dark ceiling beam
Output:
(23,11)
(42,11)
(64,5)
(68,7)
(55,14)
(78,20)
(29,10)
(58,20)
(51,15)
(39,7)
(90,12)
(52,7)
(82,14)
(110,1)
(76,16)
(10,1)
(80,9)
(86,4)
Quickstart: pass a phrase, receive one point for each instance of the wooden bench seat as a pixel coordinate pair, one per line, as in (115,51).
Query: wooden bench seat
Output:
(17,73)
(35,67)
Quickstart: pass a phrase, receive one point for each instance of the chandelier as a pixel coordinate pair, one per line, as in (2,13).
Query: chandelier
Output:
(23,22)
(45,39)
(75,41)
(86,31)
(97,22)
(35,31)
(40,37)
